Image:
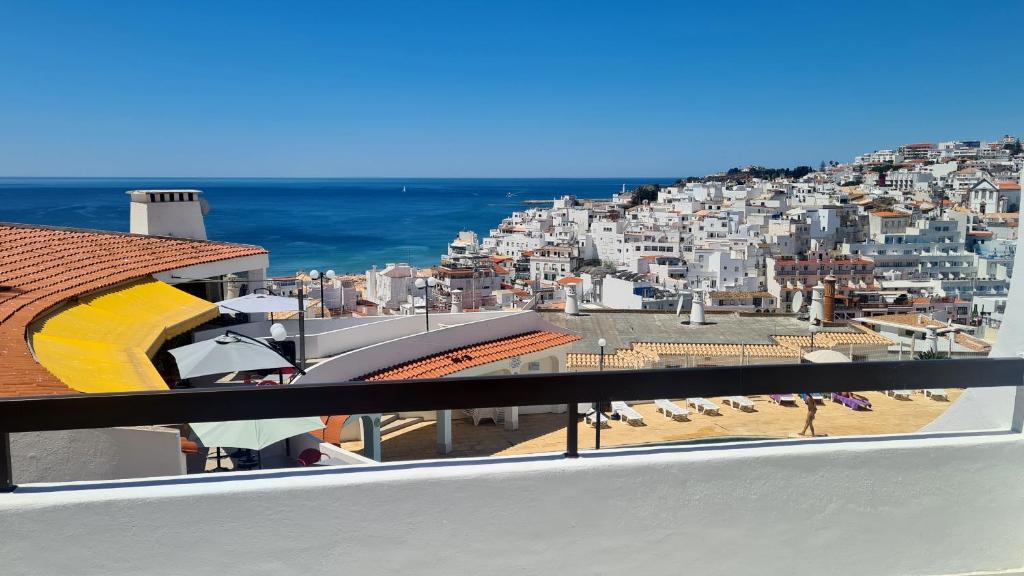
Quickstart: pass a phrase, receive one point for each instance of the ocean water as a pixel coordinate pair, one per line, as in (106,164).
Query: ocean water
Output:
(341,224)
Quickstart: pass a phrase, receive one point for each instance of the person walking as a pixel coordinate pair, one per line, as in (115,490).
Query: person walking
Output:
(812,409)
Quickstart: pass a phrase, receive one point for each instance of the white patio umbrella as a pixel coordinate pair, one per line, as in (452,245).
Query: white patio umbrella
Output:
(253,434)
(260,303)
(228,353)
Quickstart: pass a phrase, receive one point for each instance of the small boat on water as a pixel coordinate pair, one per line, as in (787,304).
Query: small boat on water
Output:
(403,188)
(510,194)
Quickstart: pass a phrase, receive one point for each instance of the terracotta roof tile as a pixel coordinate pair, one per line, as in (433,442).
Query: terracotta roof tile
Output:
(458,359)
(42,267)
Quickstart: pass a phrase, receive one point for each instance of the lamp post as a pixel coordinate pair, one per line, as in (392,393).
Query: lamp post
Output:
(302,327)
(278,333)
(601,342)
(426,285)
(316,275)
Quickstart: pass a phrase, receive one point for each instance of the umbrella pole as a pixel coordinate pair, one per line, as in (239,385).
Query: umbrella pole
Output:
(219,468)
(259,459)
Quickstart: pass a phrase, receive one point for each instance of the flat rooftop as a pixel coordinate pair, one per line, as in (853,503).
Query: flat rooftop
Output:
(622,329)
(540,433)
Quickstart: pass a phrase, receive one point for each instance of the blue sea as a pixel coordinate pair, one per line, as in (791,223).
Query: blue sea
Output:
(341,224)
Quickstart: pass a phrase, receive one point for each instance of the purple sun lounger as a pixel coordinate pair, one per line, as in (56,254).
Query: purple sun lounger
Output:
(851,403)
(781,399)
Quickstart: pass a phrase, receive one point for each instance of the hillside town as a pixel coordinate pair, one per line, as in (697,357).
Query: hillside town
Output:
(921,228)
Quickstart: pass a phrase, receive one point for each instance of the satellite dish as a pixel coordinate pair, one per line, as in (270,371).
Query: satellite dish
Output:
(798,302)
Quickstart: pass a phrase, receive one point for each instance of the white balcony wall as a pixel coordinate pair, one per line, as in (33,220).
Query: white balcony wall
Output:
(932,505)
(100,454)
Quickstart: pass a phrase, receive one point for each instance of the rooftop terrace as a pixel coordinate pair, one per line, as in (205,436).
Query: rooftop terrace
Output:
(622,329)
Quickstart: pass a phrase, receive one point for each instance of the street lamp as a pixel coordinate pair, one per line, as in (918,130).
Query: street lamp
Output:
(279,334)
(426,285)
(315,275)
(601,342)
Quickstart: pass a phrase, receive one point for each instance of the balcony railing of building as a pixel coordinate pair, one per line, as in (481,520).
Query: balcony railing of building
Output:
(84,411)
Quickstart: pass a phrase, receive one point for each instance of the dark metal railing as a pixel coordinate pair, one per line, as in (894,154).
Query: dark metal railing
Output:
(251,402)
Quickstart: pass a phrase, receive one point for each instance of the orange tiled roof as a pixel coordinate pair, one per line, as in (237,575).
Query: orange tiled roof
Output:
(916,320)
(1008,185)
(889,214)
(453,361)
(42,267)
(570,280)
(972,343)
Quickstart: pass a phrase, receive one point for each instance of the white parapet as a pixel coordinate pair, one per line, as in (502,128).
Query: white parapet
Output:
(799,507)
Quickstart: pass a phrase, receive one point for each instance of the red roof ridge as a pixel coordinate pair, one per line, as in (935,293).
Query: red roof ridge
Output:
(457,359)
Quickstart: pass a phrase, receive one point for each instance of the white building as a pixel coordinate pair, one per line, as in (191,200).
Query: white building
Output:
(391,286)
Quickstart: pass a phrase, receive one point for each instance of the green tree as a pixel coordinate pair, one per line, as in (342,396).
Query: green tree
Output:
(647,192)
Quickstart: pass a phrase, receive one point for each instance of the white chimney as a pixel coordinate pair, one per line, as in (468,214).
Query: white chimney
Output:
(232,286)
(456,301)
(931,340)
(175,213)
(817,309)
(697,308)
(572,302)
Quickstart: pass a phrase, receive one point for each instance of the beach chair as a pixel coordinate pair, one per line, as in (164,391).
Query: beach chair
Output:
(850,402)
(594,417)
(739,402)
(818,397)
(899,394)
(480,414)
(703,405)
(780,399)
(672,410)
(935,393)
(627,414)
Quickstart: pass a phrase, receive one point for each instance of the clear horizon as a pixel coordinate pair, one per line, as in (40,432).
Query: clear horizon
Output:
(463,90)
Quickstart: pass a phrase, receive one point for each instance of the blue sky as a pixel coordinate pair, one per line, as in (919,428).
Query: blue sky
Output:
(476,89)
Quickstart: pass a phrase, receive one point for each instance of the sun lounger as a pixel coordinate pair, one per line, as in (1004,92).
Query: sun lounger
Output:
(627,414)
(781,399)
(739,402)
(936,393)
(480,414)
(593,417)
(899,394)
(851,403)
(818,397)
(672,410)
(703,405)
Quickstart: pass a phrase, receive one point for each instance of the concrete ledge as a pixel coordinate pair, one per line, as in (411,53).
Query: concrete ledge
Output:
(921,504)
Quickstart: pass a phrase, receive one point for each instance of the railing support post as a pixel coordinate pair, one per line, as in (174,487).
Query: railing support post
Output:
(6,470)
(1017,421)
(572,431)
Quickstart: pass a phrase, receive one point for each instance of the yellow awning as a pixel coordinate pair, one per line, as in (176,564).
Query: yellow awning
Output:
(104,342)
